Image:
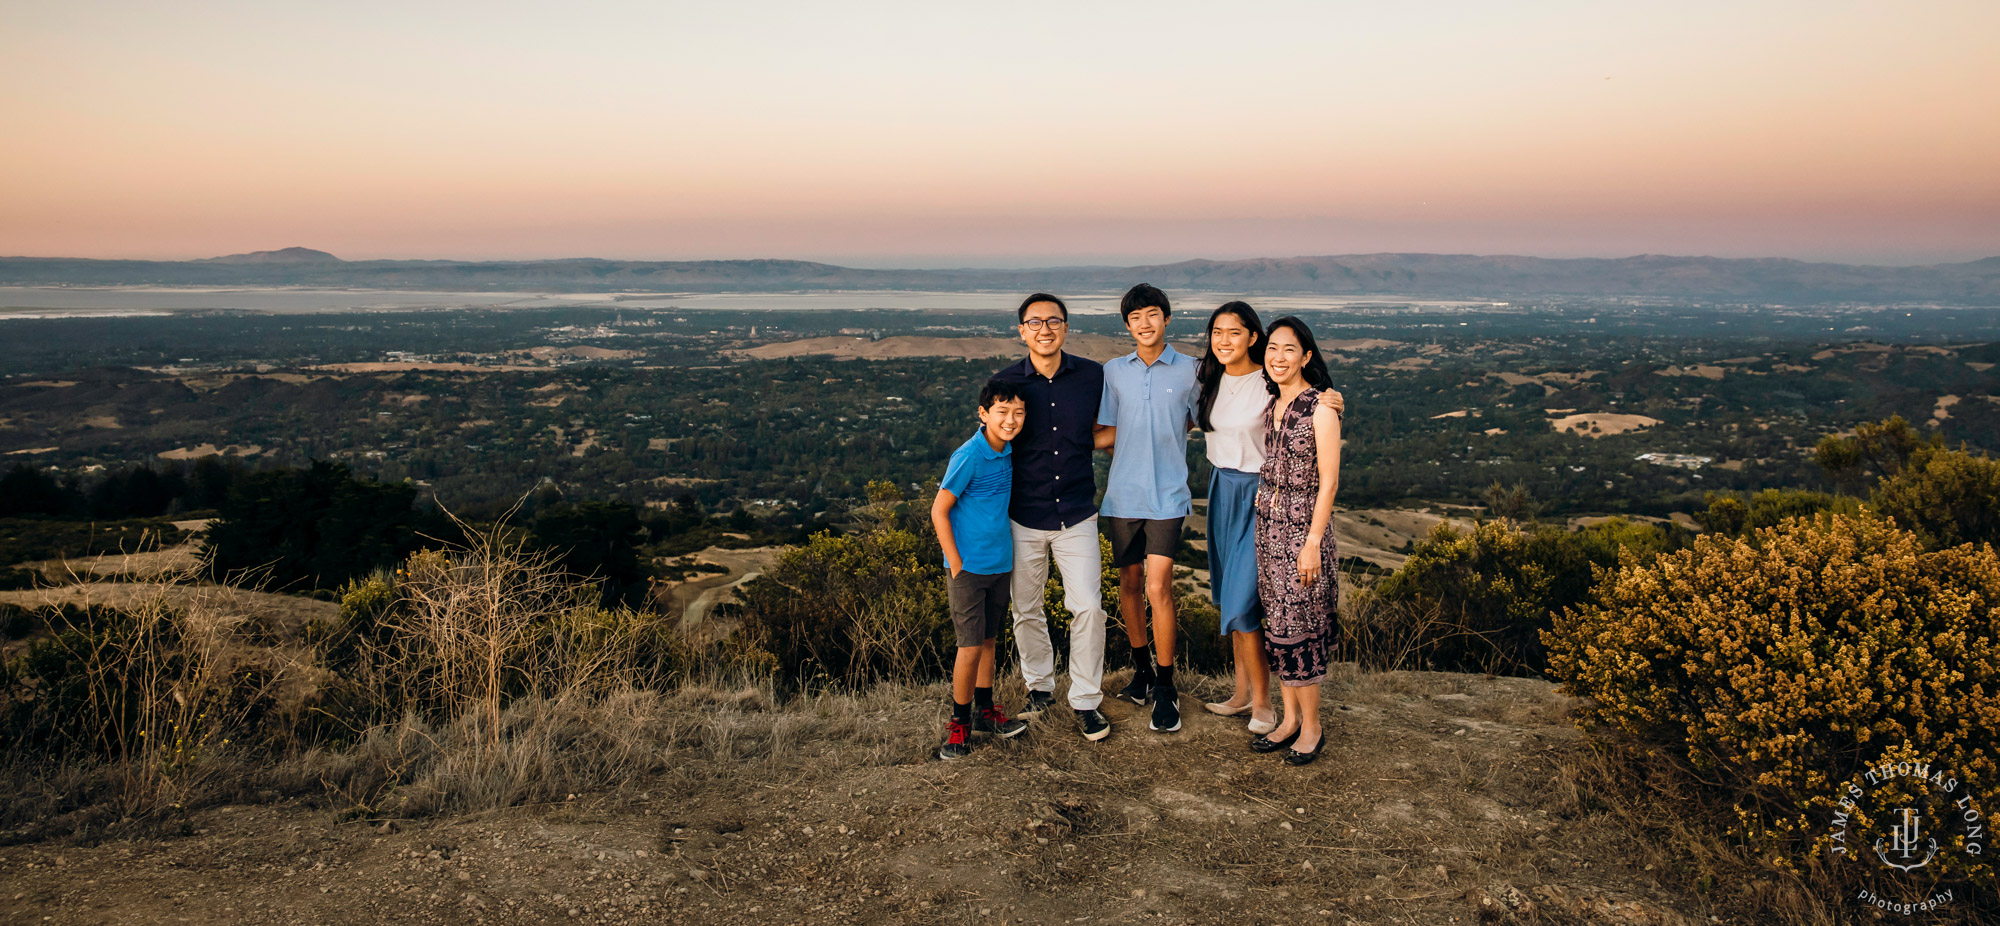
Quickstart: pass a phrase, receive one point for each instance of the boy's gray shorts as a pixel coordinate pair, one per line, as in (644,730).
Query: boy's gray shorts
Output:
(978,604)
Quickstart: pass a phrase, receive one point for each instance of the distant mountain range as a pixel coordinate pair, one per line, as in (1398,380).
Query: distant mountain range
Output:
(1766,280)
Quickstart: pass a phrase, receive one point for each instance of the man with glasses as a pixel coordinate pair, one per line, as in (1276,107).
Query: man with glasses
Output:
(1053,512)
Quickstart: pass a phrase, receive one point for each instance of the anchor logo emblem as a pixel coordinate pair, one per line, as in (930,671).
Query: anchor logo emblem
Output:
(1902,841)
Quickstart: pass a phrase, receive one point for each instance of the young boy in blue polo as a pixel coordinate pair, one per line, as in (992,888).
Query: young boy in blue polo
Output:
(970,515)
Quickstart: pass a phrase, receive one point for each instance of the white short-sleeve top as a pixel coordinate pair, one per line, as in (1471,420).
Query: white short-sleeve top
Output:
(1237,440)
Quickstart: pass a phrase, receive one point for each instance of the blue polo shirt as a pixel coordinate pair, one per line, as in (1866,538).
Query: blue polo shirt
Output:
(1054,485)
(1151,405)
(982,479)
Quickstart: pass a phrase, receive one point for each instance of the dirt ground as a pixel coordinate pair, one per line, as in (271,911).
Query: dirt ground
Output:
(1439,798)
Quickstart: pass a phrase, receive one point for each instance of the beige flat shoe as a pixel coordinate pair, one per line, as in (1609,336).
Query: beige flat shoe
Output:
(1261,727)
(1224,709)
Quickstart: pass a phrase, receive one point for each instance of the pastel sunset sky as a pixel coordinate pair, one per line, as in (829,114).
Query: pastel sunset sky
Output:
(1026,133)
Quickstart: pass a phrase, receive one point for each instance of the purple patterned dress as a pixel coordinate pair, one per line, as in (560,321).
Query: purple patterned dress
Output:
(1298,620)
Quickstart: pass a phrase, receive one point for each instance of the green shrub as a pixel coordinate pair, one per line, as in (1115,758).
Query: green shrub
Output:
(1483,597)
(1877,448)
(1779,665)
(1486,580)
(853,609)
(1735,516)
(1945,497)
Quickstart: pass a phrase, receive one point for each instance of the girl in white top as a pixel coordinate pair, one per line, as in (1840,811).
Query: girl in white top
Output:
(1234,412)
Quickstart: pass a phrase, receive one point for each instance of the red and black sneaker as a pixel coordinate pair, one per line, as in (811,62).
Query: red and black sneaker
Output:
(995,721)
(956,740)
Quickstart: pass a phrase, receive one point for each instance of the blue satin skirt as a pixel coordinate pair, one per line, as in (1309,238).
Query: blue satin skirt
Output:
(1232,550)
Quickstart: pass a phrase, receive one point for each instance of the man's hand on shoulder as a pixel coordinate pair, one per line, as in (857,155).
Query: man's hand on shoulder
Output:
(1331,398)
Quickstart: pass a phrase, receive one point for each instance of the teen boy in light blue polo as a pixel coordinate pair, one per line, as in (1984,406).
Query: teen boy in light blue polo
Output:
(970,515)
(1149,398)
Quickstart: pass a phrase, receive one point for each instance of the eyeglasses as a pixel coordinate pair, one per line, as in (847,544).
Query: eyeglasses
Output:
(1035,324)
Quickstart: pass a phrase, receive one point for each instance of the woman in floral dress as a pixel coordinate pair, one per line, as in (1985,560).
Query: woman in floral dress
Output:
(1297,581)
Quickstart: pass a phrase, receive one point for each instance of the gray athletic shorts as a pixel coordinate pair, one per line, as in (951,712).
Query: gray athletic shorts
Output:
(978,604)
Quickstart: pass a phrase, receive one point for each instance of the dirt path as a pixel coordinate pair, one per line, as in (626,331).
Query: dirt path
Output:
(1439,798)
(692,600)
(697,610)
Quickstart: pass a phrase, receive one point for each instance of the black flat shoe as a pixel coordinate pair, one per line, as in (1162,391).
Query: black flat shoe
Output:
(1295,757)
(1267,744)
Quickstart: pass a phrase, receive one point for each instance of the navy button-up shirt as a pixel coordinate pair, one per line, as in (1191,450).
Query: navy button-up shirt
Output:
(1054,486)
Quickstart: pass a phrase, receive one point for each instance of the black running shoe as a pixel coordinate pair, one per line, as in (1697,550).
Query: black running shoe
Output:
(1038,701)
(1095,727)
(1140,690)
(1166,709)
(957,738)
(995,721)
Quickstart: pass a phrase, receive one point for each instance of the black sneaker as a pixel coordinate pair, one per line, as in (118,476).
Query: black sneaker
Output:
(1038,701)
(1140,690)
(956,740)
(995,721)
(1166,709)
(1095,727)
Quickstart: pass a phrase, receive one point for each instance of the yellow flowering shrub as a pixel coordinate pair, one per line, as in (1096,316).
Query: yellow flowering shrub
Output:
(1781,664)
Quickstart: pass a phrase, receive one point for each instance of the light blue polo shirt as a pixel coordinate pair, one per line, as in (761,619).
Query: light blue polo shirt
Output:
(982,480)
(1151,406)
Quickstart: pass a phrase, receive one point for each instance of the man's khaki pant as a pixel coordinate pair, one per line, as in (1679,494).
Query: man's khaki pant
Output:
(1075,552)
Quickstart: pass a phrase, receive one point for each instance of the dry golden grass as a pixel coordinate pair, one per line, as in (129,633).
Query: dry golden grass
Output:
(1601,425)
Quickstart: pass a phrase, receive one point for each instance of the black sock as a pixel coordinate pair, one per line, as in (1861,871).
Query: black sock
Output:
(961,712)
(1142,662)
(1163,676)
(982,698)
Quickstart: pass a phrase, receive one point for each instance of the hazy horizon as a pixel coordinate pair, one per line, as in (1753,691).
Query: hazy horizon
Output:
(948,263)
(913,136)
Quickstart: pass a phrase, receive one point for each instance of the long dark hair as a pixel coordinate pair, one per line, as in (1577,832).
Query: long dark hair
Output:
(1209,374)
(1314,371)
